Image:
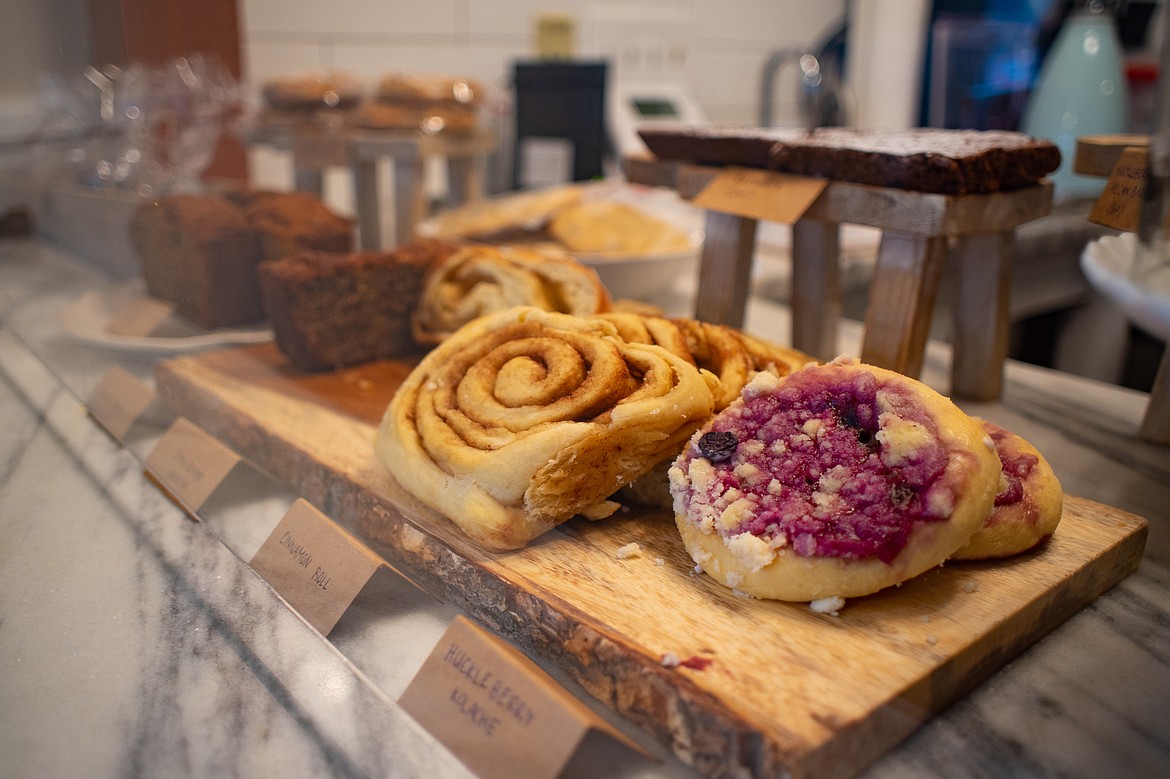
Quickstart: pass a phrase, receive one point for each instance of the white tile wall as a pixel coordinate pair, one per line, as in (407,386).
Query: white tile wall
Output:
(718,46)
(715,48)
(351,17)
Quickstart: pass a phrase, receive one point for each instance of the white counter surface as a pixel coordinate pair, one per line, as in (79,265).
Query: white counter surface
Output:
(136,641)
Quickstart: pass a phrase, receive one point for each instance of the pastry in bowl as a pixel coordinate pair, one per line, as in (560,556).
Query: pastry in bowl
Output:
(518,216)
(1028,505)
(613,227)
(522,419)
(836,481)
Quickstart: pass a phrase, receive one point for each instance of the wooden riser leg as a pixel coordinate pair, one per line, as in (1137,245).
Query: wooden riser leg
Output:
(901,301)
(1156,424)
(465,178)
(725,269)
(409,198)
(982,318)
(369,214)
(816,287)
(310,180)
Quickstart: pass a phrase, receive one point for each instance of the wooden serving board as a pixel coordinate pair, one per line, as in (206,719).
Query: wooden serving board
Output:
(766,688)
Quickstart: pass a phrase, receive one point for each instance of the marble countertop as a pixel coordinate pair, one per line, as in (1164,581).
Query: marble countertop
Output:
(135,641)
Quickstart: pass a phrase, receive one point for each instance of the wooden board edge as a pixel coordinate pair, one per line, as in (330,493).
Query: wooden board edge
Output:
(900,717)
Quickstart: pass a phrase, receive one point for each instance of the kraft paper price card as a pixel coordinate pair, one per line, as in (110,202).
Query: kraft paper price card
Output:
(190,464)
(1120,203)
(760,194)
(496,710)
(119,400)
(315,565)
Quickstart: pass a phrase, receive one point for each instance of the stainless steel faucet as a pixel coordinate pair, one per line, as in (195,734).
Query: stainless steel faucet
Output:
(819,102)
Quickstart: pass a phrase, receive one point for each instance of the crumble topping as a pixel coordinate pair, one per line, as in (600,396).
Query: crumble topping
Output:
(1016,466)
(828,462)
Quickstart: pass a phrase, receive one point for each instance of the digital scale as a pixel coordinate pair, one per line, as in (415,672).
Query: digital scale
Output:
(630,106)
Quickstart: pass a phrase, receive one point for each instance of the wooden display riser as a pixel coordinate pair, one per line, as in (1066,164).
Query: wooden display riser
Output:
(315,149)
(917,229)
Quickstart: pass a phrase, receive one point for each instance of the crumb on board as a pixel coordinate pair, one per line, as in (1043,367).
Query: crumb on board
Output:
(659,561)
(970,585)
(632,549)
(831,605)
(932,639)
(695,663)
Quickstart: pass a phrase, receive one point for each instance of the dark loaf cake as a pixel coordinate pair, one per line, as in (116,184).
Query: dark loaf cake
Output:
(200,254)
(952,162)
(291,221)
(331,310)
(746,146)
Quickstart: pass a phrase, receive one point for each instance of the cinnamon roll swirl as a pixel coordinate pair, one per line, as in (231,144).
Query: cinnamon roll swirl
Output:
(733,356)
(525,418)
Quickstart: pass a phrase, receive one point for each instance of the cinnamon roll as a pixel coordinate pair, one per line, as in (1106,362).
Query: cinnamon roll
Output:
(525,418)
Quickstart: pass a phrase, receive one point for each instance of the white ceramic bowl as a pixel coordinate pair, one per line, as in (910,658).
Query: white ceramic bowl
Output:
(643,276)
(1108,265)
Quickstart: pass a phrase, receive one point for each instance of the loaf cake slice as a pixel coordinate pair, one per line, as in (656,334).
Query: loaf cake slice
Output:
(330,310)
(290,221)
(200,254)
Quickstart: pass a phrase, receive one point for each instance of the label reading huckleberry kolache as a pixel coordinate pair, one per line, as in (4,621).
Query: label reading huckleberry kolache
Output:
(496,709)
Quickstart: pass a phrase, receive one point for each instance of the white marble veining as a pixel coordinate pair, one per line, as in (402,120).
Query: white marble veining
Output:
(135,641)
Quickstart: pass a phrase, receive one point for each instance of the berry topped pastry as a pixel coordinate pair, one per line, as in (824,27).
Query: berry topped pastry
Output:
(837,480)
(1028,505)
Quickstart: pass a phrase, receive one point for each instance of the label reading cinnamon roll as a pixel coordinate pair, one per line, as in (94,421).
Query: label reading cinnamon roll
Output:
(315,565)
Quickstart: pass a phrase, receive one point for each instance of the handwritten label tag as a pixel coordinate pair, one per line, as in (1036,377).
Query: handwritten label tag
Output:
(315,565)
(119,400)
(496,709)
(761,194)
(190,463)
(1120,204)
(140,317)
